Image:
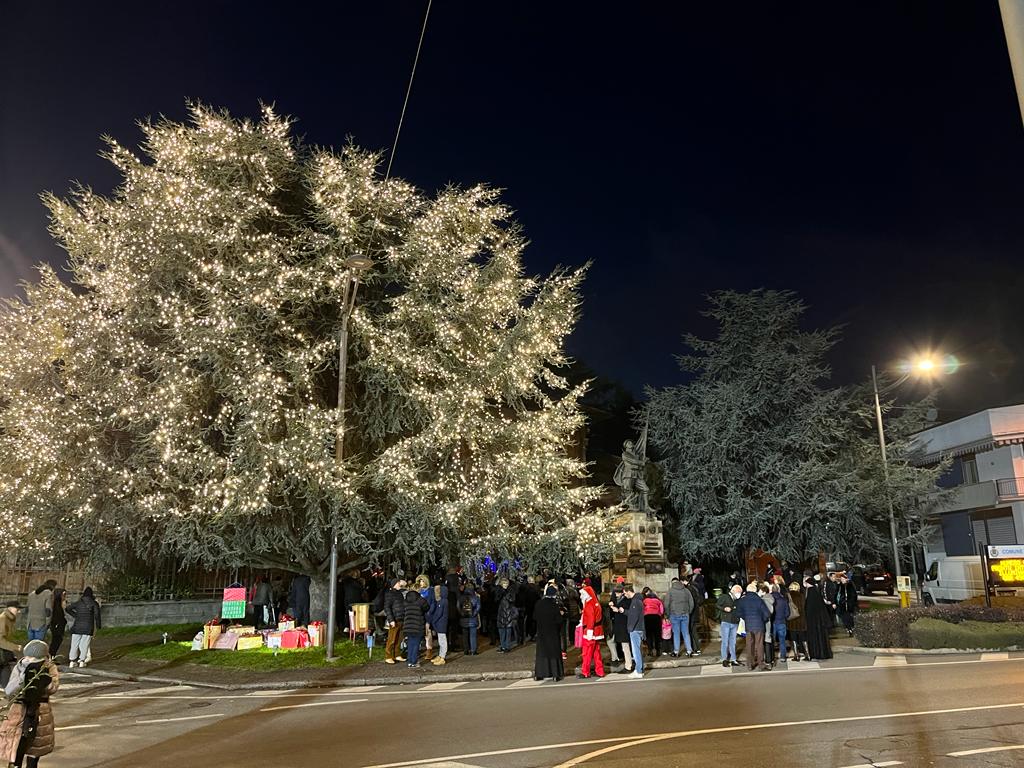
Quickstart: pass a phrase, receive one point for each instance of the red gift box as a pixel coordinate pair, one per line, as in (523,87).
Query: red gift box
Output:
(294,638)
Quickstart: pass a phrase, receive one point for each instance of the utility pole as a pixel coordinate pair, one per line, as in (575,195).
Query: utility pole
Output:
(1012,12)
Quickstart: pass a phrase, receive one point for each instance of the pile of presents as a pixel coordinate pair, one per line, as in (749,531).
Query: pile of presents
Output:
(238,637)
(220,635)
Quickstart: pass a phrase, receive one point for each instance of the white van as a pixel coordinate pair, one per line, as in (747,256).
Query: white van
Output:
(951,579)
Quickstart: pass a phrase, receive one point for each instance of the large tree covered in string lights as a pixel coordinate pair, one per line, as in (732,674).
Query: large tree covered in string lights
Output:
(180,397)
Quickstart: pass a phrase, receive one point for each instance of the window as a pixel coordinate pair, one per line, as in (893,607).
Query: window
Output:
(970,469)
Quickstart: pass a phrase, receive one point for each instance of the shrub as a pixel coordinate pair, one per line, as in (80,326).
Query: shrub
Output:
(891,629)
(935,633)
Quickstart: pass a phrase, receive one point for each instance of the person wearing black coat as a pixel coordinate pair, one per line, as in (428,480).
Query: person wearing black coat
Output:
(635,627)
(453,581)
(298,599)
(58,621)
(846,603)
(507,614)
(437,618)
(414,624)
(548,618)
(394,615)
(85,614)
(819,621)
(618,607)
(351,593)
(695,614)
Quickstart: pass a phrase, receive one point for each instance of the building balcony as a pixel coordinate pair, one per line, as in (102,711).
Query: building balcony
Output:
(971,496)
(1010,488)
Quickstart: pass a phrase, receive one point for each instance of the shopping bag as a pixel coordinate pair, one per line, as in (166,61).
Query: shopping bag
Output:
(226,642)
(579,636)
(741,628)
(666,629)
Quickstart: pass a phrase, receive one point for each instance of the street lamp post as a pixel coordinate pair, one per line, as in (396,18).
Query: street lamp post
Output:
(885,473)
(354,265)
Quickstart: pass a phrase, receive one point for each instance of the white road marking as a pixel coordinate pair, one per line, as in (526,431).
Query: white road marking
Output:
(450,764)
(890,661)
(177,719)
(967,752)
(886,764)
(311,704)
(76,727)
(442,686)
(622,742)
(529,682)
(74,686)
(995,656)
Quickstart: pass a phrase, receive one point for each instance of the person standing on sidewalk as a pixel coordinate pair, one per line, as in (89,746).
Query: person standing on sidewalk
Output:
(619,607)
(86,616)
(654,610)
(507,614)
(796,624)
(755,615)
(547,616)
(679,606)
(40,609)
(437,618)
(729,620)
(9,649)
(394,613)
(695,615)
(593,633)
(469,618)
(58,621)
(27,732)
(780,615)
(846,603)
(635,627)
(414,625)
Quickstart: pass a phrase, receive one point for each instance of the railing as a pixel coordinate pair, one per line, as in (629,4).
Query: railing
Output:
(1010,488)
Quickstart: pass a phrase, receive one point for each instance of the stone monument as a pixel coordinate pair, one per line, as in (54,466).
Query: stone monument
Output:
(641,560)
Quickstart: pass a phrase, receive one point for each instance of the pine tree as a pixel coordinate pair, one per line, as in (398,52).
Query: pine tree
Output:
(759,452)
(181,398)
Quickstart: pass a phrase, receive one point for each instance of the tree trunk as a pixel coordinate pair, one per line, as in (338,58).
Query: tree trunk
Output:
(319,587)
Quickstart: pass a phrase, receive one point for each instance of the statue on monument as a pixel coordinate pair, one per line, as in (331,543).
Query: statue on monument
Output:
(629,475)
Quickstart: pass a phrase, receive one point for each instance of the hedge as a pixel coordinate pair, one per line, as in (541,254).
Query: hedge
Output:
(891,629)
(935,633)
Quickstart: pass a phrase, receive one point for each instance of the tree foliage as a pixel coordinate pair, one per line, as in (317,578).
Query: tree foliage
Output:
(181,397)
(757,451)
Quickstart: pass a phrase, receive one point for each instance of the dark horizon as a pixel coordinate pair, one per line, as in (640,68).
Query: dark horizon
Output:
(867,157)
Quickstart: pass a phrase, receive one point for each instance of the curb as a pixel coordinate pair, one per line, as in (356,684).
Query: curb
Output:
(921,651)
(359,682)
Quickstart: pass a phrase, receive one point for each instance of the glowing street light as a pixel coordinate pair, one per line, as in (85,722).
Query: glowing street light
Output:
(926,365)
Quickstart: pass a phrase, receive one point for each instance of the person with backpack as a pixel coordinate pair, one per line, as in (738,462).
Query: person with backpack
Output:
(27,732)
(469,618)
(437,619)
(86,620)
(414,625)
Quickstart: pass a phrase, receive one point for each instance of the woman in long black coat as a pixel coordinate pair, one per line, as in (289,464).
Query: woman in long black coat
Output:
(819,621)
(548,619)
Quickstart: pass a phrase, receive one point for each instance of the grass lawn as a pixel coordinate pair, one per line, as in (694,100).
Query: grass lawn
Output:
(256,659)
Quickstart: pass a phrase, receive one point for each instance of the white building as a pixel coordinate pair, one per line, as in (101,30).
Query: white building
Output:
(986,503)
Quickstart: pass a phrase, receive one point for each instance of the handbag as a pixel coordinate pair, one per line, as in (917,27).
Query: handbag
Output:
(579,636)
(666,629)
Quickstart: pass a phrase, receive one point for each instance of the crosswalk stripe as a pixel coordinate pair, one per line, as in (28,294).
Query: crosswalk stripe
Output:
(442,686)
(715,669)
(886,764)
(890,661)
(995,656)
(526,682)
(803,666)
(967,752)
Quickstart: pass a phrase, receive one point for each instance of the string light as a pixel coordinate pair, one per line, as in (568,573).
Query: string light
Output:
(178,398)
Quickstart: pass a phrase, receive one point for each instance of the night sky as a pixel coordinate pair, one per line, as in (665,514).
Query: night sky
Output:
(869,156)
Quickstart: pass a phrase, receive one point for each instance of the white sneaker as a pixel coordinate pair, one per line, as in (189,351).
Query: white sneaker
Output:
(73,664)
(81,665)
(636,675)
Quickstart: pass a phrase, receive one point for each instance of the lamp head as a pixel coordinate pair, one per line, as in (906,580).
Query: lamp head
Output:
(358,262)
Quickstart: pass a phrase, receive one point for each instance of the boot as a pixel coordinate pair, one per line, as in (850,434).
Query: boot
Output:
(428,655)
(807,652)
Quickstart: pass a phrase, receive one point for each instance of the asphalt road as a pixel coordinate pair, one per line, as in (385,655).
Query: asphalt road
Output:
(852,711)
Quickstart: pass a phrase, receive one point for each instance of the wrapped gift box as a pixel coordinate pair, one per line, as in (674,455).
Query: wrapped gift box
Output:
(284,626)
(317,633)
(273,639)
(238,629)
(226,642)
(294,638)
(247,642)
(211,632)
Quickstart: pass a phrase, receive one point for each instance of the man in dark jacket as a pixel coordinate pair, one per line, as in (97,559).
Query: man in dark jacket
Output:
(414,624)
(779,618)
(298,599)
(394,614)
(453,581)
(755,614)
(679,606)
(86,616)
(618,607)
(695,614)
(846,603)
(635,627)
(437,618)
(351,593)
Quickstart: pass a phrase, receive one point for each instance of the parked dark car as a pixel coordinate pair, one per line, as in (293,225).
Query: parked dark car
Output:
(873,578)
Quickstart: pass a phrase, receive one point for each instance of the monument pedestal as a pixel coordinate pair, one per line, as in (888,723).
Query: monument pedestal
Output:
(641,560)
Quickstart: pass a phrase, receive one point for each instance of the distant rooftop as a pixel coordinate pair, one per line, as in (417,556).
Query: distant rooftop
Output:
(978,432)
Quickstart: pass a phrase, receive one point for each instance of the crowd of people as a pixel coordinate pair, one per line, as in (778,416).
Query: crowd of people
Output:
(28,673)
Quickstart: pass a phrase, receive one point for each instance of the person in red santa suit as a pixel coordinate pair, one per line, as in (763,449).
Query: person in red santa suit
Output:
(593,633)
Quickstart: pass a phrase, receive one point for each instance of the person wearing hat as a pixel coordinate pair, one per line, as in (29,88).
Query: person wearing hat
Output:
(27,733)
(819,620)
(593,633)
